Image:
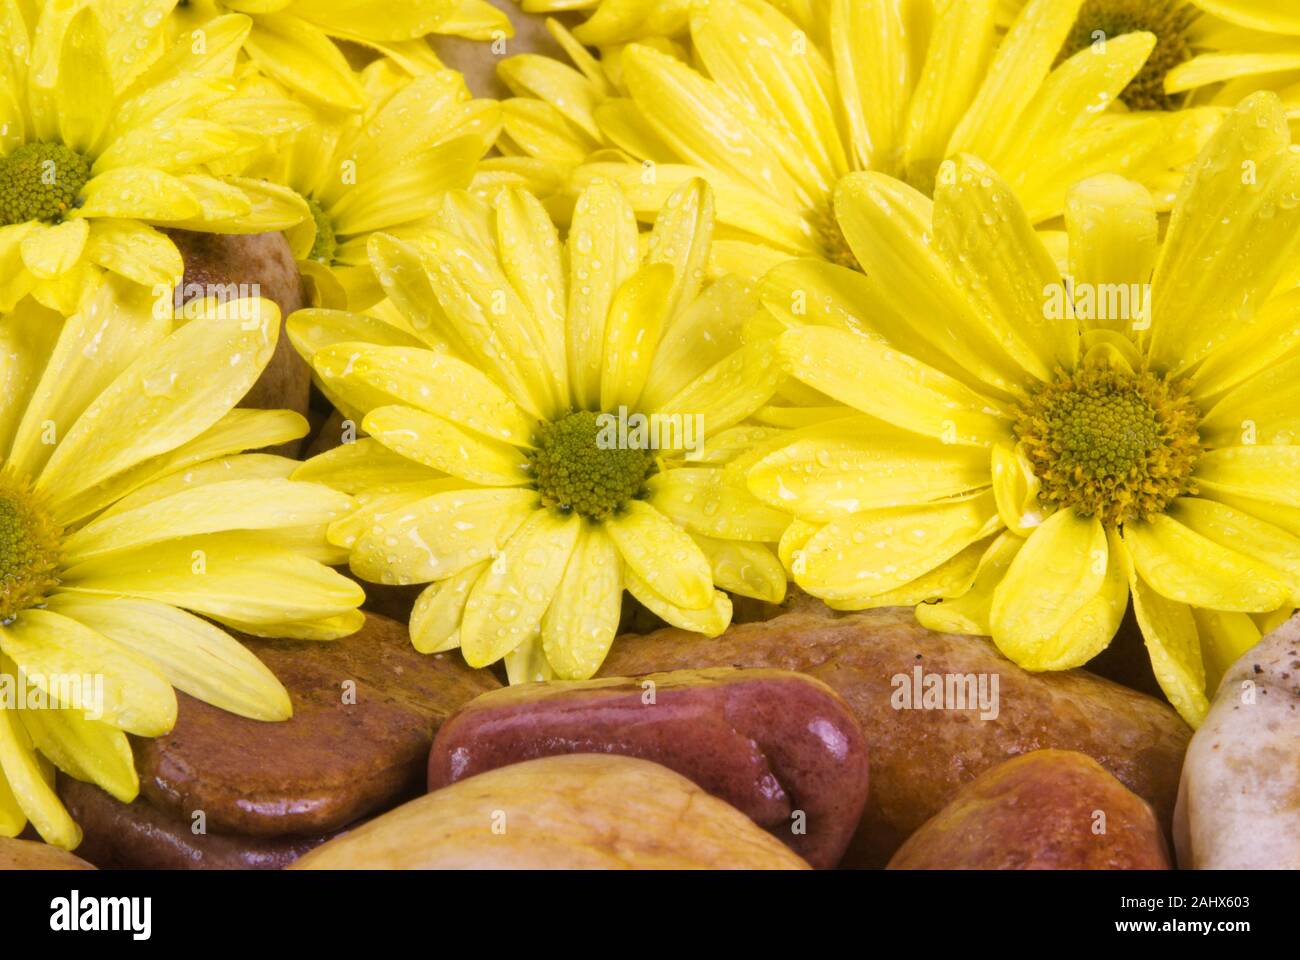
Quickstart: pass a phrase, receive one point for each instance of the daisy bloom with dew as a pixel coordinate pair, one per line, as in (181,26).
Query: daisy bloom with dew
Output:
(1034,450)
(775,111)
(381,170)
(296,42)
(548,426)
(101,143)
(1207,51)
(132,524)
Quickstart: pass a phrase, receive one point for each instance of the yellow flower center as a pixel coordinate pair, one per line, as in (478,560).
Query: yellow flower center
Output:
(327,243)
(1111,444)
(30,543)
(1103,20)
(40,181)
(578,465)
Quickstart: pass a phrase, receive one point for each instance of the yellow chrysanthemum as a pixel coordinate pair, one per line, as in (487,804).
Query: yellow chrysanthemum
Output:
(294,41)
(776,102)
(1034,451)
(1207,51)
(127,507)
(503,464)
(103,138)
(383,170)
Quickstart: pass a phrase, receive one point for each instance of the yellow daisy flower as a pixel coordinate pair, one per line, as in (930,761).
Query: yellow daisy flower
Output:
(126,508)
(383,170)
(101,142)
(1035,450)
(294,41)
(1207,51)
(776,102)
(549,426)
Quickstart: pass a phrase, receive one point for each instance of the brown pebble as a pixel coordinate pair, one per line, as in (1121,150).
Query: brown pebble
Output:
(920,758)
(1046,810)
(780,747)
(365,709)
(137,836)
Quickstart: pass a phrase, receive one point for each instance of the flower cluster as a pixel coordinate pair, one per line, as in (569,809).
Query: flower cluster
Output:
(984,308)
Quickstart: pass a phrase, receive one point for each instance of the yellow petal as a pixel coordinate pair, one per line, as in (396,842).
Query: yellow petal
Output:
(700,123)
(603,253)
(968,612)
(194,656)
(50,252)
(703,334)
(637,316)
(1061,568)
(85,749)
(138,193)
(439,536)
(909,295)
(84,99)
(28,787)
(168,396)
(748,49)
(440,444)
(1224,250)
(860,463)
(870,376)
(1023,60)
(983,233)
(749,569)
(304,59)
(955,64)
(730,390)
(237,431)
(1242,533)
(662,555)
(856,558)
(1113,238)
(1187,567)
(408,192)
(49,648)
(1015,487)
(583,618)
(434,382)
(682,236)
(436,615)
(359,466)
(499,332)
(873,59)
(1224,637)
(532,260)
(1263,410)
(1172,642)
(1260,14)
(135,250)
(224,575)
(710,620)
(230,505)
(506,605)
(708,502)
(1262,473)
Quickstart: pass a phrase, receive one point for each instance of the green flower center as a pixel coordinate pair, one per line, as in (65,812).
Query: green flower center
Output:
(29,548)
(578,465)
(327,243)
(1102,20)
(1112,444)
(40,181)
